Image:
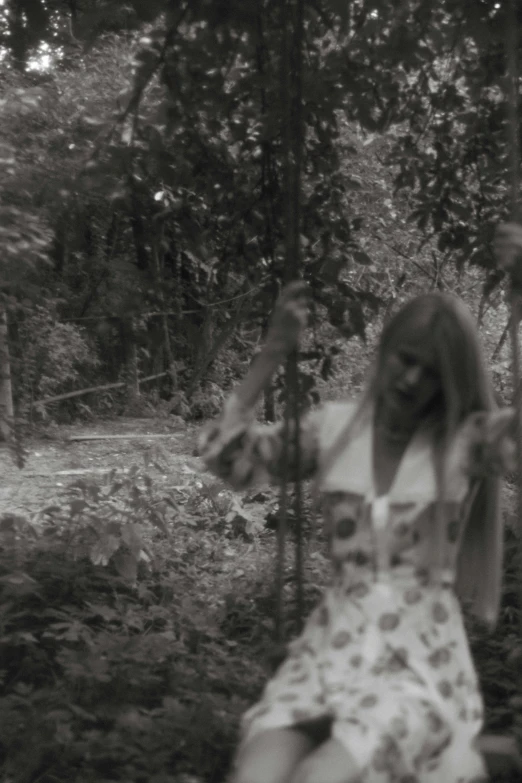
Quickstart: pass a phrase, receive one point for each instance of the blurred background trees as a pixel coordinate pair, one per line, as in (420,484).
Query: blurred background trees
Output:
(141,229)
(142,187)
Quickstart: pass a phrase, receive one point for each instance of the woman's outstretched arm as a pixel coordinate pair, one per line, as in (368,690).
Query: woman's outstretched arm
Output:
(234,446)
(243,453)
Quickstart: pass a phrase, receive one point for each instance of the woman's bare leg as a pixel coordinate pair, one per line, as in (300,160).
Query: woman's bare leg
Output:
(272,756)
(329,763)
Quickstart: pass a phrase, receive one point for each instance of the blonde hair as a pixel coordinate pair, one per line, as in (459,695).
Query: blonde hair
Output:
(466,388)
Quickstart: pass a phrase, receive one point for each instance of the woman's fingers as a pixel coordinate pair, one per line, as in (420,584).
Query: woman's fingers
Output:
(510,230)
(507,244)
(290,315)
(298,289)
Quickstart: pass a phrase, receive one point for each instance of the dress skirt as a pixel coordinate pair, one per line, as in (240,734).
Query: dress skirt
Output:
(401,692)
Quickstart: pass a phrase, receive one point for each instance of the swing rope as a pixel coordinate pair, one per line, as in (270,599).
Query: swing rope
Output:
(515,290)
(515,287)
(500,753)
(292,133)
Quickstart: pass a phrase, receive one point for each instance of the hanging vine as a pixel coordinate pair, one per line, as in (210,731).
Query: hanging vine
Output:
(291,101)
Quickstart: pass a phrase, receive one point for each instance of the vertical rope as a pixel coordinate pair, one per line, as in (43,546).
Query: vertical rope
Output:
(283,500)
(512,95)
(294,268)
(291,102)
(515,290)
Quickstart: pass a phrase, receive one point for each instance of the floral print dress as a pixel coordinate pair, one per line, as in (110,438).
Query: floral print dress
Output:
(384,655)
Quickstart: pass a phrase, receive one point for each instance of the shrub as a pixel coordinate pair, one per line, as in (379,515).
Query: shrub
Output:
(139,672)
(115,666)
(53,357)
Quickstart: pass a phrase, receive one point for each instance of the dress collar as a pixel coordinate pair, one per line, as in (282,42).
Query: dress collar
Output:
(414,480)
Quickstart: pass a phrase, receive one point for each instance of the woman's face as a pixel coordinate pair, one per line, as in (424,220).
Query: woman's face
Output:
(410,378)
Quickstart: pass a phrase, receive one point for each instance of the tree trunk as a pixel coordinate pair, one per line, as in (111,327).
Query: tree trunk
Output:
(18,36)
(132,386)
(269,403)
(169,358)
(205,352)
(210,347)
(158,265)
(6,392)
(139,234)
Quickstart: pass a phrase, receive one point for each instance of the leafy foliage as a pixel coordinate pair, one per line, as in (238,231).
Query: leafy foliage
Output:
(496,654)
(144,178)
(162,152)
(114,672)
(141,673)
(56,356)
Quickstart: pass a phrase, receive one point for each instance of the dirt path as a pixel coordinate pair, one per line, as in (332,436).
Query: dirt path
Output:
(54,464)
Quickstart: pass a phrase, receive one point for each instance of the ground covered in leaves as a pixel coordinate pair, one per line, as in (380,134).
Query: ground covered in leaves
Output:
(136,596)
(52,462)
(137,603)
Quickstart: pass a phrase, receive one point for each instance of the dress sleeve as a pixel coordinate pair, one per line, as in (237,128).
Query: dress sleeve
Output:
(243,453)
(492,448)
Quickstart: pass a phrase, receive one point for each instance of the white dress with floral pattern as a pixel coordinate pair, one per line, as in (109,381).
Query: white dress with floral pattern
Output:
(385,654)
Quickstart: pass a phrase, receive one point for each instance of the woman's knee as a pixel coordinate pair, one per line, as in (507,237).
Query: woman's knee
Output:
(330,763)
(271,757)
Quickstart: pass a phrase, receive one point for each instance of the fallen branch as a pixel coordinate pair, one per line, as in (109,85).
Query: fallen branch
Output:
(131,436)
(91,390)
(503,338)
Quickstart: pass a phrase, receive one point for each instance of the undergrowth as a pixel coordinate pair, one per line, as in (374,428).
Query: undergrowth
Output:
(137,626)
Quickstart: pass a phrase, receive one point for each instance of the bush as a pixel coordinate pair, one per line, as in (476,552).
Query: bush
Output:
(54,358)
(137,627)
(115,666)
(498,655)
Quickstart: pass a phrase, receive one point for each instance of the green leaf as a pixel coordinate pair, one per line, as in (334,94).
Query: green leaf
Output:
(463,212)
(357,319)
(76,507)
(351,183)
(158,521)
(132,539)
(362,258)
(126,565)
(332,267)
(103,550)
(81,713)
(114,488)
(101,610)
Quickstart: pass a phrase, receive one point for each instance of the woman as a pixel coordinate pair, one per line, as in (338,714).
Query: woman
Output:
(380,686)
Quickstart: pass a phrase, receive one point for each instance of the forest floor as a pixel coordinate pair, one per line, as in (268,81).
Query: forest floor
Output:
(166,665)
(52,464)
(182,646)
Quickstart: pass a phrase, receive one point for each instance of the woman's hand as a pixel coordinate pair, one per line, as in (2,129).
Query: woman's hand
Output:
(507,246)
(289,319)
(492,442)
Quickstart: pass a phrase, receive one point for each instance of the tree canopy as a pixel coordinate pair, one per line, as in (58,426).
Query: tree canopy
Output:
(152,159)
(142,224)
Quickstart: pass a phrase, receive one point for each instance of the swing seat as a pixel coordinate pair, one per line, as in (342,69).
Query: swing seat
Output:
(501,755)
